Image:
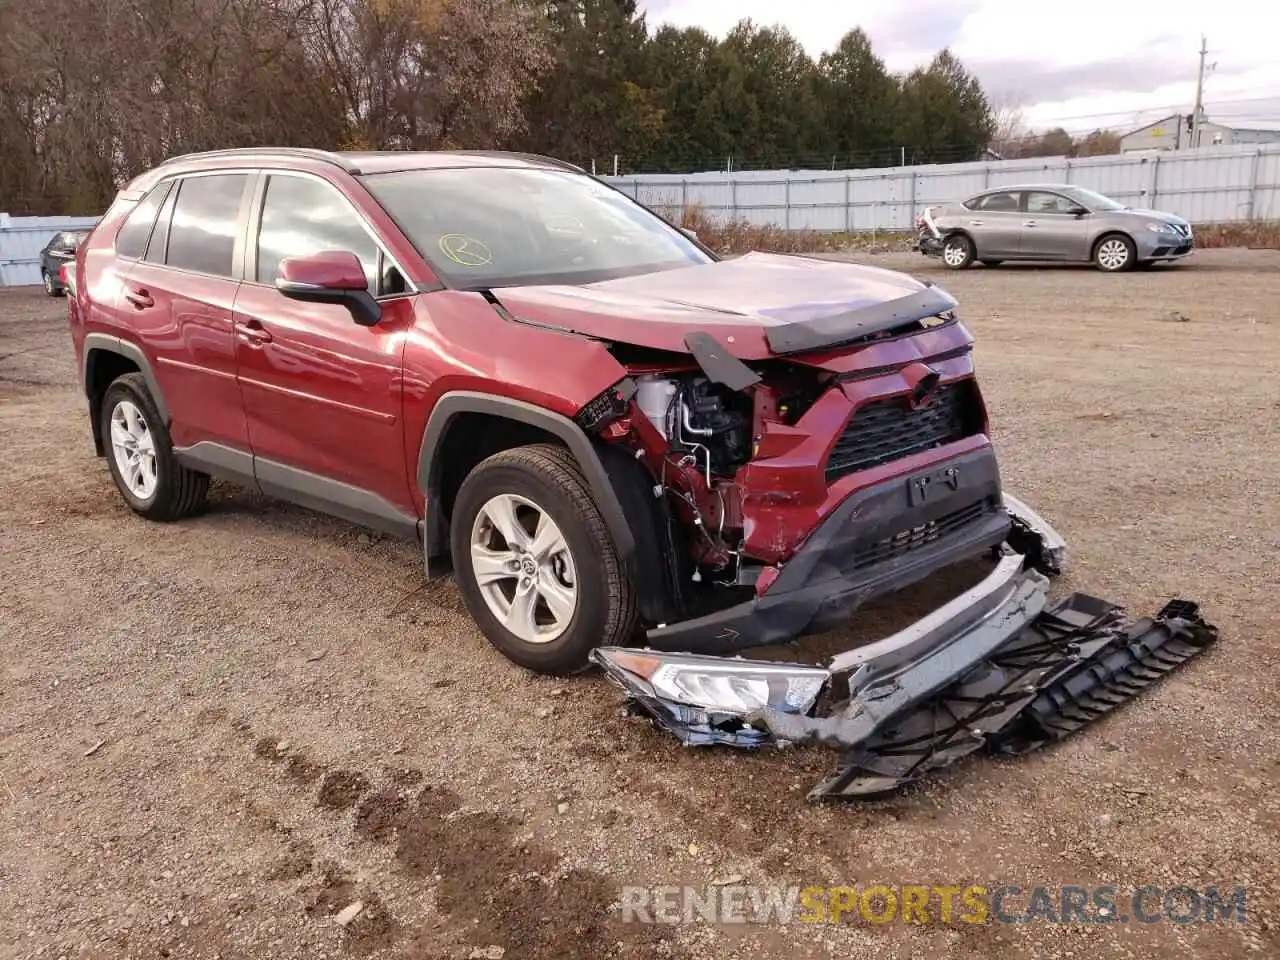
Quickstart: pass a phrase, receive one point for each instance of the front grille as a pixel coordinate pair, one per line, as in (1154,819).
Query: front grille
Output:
(885,430)
(916,537)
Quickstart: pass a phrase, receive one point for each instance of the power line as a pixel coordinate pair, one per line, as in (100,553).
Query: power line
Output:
(1172,108)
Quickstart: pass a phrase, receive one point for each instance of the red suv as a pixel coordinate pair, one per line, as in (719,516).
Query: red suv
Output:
(601,427)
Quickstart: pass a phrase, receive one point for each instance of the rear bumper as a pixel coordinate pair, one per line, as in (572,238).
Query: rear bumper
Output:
(930,246)
(878,540)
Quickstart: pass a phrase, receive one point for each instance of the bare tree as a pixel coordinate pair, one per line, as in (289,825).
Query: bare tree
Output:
(1010,127)
(123,84)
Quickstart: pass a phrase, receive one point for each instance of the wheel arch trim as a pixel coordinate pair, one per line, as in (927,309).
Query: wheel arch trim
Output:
(455,403)
(107,343)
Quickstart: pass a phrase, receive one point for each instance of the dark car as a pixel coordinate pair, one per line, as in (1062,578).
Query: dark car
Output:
(60,249)
(607,432)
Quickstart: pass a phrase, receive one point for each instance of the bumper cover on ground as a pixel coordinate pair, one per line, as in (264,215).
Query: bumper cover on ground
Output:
(996,669)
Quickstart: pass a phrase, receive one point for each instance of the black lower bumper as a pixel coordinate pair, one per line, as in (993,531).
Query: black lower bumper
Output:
(1073,664)
(878,540)
(929,245)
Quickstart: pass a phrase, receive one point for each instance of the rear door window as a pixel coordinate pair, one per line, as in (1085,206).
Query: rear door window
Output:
(998,203)
(205,224)
(131,241)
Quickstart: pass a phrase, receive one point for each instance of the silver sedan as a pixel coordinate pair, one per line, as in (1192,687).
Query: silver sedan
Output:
(1050,222)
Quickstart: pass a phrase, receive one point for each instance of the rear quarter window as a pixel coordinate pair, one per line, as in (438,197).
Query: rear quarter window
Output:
(134,233)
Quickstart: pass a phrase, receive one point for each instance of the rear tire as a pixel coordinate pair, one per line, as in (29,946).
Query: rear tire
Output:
(1115,253)
(957,252)
(140,454)
(51,288)
(534,561)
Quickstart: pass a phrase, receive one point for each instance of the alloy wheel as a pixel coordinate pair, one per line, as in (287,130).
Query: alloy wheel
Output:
(954,254)
(1113,254)
(134,449)
(524,568)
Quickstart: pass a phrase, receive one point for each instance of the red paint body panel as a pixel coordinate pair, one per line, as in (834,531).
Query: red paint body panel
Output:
(460,342)
(323,393)
(99,285)
(188,336)
(733,300)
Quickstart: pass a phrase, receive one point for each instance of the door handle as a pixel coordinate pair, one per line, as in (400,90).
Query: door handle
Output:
(253,333)
(1028,223)
(139,297)
(975,223)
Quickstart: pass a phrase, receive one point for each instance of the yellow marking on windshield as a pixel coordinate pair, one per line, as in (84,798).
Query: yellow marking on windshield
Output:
(466,251)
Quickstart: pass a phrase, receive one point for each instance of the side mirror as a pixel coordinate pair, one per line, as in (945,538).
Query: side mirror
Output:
(1078,211)
(332,276)
(691,234)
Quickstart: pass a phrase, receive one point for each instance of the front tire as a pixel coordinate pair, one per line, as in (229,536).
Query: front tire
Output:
(957,252)
(51,288)
(140,455)
(1115,253)
(534,561)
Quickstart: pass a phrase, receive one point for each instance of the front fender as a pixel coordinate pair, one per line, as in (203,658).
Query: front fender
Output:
(450,405)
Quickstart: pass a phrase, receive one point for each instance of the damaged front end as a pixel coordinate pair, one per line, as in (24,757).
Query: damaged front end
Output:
(999,668)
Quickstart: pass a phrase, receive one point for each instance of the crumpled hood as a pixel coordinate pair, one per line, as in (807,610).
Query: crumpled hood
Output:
(756,305)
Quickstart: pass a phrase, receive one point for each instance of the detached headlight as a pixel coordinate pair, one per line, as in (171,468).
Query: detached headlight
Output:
(714,684)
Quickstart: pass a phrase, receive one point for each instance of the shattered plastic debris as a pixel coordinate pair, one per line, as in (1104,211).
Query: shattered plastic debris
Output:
(997,669)
(1051,680)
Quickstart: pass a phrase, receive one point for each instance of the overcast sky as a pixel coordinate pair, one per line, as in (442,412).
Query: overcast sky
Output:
(1077,64)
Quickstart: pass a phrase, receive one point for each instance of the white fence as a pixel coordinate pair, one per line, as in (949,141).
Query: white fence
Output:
(22,239)
(1208,185)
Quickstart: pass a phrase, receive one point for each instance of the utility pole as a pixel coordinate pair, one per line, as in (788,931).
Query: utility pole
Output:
(1199,109)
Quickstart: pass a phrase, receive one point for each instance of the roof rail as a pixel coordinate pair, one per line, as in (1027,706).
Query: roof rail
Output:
(517,155)
(325,156)
(554,161)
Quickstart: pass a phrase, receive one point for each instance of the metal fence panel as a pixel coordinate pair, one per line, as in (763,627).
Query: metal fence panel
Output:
(1265,192)
(22,239)
(1209,185)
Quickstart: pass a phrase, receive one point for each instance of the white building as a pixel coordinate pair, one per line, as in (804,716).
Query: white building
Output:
(1174,133)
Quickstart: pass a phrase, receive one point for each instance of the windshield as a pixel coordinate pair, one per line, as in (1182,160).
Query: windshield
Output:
(486,227)
(1096,202)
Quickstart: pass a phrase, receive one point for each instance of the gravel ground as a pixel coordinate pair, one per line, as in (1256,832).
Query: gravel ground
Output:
(216,735)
